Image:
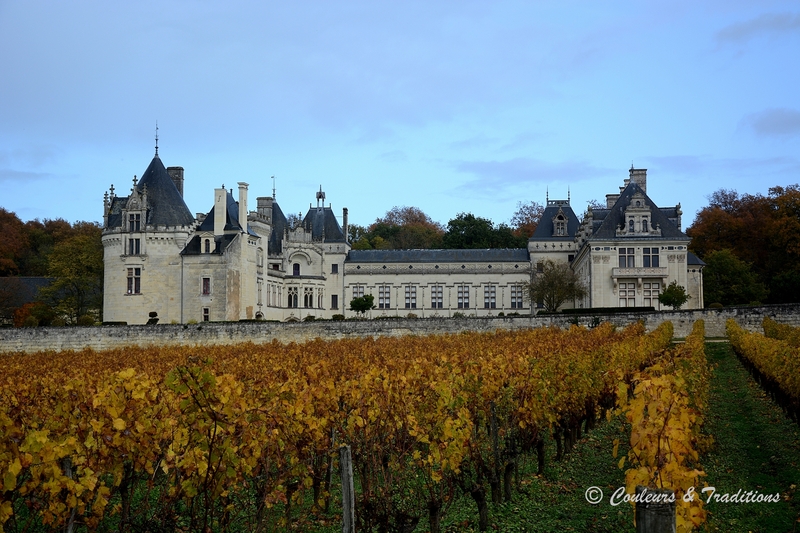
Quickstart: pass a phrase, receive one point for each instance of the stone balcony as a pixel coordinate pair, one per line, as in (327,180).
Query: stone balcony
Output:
(640,272)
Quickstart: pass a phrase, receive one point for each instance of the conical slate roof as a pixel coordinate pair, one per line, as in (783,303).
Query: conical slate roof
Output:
(165,204)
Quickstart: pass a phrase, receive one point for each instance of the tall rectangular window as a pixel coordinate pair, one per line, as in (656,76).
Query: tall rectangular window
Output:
(436,296)
(627,294)
(134,281)
(335,268)
(626,258)
(134,246)
(358,291)
(411,296)
(650,294)
(206,314)
(650,257)
(384,296)
(308,297)
(334,301)
(463,296)
(516,297)
(292,299)
(489,296)
(134,223)
(206,286)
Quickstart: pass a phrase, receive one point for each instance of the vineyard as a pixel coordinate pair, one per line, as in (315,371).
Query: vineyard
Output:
(238,438)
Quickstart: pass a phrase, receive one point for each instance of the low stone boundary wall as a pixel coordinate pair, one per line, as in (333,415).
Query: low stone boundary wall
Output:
(210,333)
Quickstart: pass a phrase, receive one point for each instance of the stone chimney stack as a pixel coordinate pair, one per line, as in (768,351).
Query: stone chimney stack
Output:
(176,174)
(220,210)
(611,199)
(639,177)
(344,223)
(264,207)
(243,205)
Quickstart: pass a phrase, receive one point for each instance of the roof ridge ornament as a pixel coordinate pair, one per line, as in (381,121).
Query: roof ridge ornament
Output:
(156,138)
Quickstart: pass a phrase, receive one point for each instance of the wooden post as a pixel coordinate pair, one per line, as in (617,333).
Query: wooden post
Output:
(348,495)
(657,515)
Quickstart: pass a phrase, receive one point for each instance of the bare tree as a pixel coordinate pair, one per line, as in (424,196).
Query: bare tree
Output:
(554,284)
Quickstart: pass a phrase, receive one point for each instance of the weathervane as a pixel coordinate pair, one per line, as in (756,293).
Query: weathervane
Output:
(156,137)
(273,187)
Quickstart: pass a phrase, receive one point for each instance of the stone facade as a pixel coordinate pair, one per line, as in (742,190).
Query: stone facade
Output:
(233,264)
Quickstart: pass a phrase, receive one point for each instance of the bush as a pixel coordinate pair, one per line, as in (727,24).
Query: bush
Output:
(58,322)
(30,321)
(192,321)
(716,305)
(309,318)
(411,315)
(84,320)
(459,314)
(501,314)
(337,317)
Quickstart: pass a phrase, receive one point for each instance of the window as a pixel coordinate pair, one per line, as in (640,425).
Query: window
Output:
(358,291)
(626,258)
(335,268)
(516,297)
(334,301)
(650,257)
(411,296)
(134,223)
(292,299)
(207,246)
(463,296)
(631,226)
(627,294)
(644,226)
(651,291)
(308,297)
(206,286)
(206,314)
(134,281)
(384,298)
(436,296)
(489,292)
(134,246)
(320,298)
(296,269)
(540,267)
(560,226)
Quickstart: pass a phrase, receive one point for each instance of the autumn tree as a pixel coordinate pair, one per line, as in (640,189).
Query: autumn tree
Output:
(526,218)
(13,242)
(554,284)
(76,265)
(469,231)
(729,280)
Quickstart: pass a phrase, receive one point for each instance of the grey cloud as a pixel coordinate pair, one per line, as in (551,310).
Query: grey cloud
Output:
(765,24)
(525,171)
(779,122)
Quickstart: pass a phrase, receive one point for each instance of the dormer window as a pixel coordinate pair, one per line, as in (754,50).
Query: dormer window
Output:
(134,223)
(645,229)
(631,226)
(560,225)
(207,246)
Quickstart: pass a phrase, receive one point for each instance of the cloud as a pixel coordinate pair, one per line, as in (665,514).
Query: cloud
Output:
(10,175)
(767,24)
(777,122)
(495,175)
(703,167)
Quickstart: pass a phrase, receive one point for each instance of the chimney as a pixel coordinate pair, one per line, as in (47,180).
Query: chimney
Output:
(264,207)
(344,223)
(611,199)
(220,210)
(243,205)
(639,177)
(176,174)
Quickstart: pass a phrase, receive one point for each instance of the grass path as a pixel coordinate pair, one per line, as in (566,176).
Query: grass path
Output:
(756,449)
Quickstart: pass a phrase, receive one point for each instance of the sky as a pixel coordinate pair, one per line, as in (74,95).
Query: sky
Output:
(448,106)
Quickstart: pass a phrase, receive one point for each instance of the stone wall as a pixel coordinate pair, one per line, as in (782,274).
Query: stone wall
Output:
(103,337)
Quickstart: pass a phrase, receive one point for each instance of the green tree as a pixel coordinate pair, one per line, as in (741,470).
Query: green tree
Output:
(13,243)
(77,266)
(469,231)
(674,296)
(362,304)
(729,280)
(554,284)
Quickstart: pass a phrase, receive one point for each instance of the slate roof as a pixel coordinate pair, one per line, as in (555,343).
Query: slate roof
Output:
(546,227)
(692,259)
(439,256)
(165,204)
(606,221)
(231,216)
(194,246)
(279,225)
(322,223)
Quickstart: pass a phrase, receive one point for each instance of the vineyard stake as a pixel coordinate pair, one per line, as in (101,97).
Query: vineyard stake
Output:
(348,496)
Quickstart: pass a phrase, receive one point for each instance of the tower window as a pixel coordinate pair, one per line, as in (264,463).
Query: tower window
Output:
(134,223)
(134,280)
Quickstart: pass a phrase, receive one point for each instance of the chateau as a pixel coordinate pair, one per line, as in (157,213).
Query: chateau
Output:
(234,264)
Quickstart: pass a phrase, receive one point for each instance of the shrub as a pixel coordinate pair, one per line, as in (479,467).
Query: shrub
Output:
(309,318)
(501,314)
(459,314)
(337,317)
(192,321)
(58,322)
(716,305)
(30,321)
(411,315)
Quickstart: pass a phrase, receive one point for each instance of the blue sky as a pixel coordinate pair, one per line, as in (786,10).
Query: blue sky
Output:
(447,106)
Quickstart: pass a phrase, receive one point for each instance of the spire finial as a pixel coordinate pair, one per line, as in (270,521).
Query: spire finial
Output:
(273,187)
(134,181)
(156,137)
(547,195)
(320,196)
(568,194)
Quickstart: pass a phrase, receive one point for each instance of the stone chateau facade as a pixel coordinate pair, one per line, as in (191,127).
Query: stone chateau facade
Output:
(233,264)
